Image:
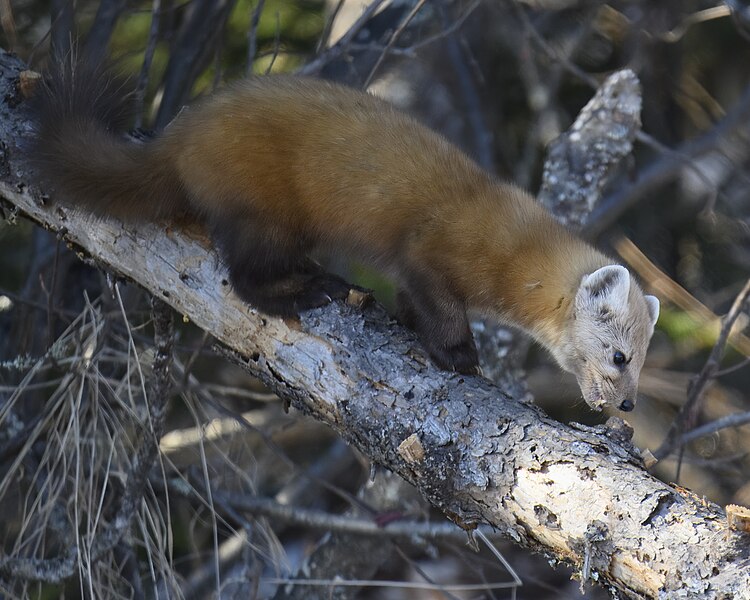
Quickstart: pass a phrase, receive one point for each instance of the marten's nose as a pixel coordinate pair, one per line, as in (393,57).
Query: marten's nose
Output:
(627,405)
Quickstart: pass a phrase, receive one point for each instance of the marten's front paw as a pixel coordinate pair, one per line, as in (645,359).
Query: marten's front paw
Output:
(325,288)
(314,297)
(333,287)
(462,358)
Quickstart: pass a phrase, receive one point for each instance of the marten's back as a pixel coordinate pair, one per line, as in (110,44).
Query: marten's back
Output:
(332,160)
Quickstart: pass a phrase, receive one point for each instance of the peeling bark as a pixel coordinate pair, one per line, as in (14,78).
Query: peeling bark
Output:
(572,493)
(579,162)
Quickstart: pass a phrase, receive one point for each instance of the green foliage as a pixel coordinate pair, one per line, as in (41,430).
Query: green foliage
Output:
(287,31)
(297,26)
(684,329)
(383,287)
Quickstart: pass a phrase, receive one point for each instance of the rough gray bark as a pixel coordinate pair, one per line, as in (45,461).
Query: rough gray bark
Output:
(471,448)
(579,161)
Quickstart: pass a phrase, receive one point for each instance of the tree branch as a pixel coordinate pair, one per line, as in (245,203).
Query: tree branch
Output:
(689,411)
(580,161)
(470,447)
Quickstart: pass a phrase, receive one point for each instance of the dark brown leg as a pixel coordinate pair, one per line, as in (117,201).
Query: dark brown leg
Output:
(269,269)
(439,319)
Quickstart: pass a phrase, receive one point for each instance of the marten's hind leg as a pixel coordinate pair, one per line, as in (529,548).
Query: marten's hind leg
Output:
(269,268)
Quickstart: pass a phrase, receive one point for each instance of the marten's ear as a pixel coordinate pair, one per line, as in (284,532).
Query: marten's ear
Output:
(605,287)
(652,302)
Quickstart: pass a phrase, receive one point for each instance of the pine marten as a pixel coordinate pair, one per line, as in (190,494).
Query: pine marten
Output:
(278,166)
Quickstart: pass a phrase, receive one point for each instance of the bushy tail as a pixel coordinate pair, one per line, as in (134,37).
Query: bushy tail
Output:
(80,112)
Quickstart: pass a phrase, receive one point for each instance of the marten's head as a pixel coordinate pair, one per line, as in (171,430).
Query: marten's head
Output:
(610,327)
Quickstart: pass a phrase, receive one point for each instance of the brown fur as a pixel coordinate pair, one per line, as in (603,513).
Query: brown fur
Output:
(277,166)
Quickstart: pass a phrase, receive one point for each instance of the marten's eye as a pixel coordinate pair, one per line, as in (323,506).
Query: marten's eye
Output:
(619,358)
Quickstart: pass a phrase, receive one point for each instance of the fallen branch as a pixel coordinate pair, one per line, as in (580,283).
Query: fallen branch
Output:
(474,451)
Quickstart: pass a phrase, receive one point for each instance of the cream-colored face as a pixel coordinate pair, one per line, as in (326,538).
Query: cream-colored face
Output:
(611,327)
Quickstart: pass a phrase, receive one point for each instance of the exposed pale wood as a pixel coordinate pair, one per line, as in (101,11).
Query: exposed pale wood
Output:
(571,493)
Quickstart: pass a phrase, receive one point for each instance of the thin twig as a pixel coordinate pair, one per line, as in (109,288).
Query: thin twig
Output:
(467,93)
(690,410)
(668,289)
(326,35)
(701,16)
(252,37)
(318,519)
(148,56)
(732,368)
(61,28)
(453,28)
(8,23)
(392,41)
(200,30)
(148,446)
(315,66)
(734,420)
(276,43)
(551,52)
(428,578)
(409,585)
(107,15)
